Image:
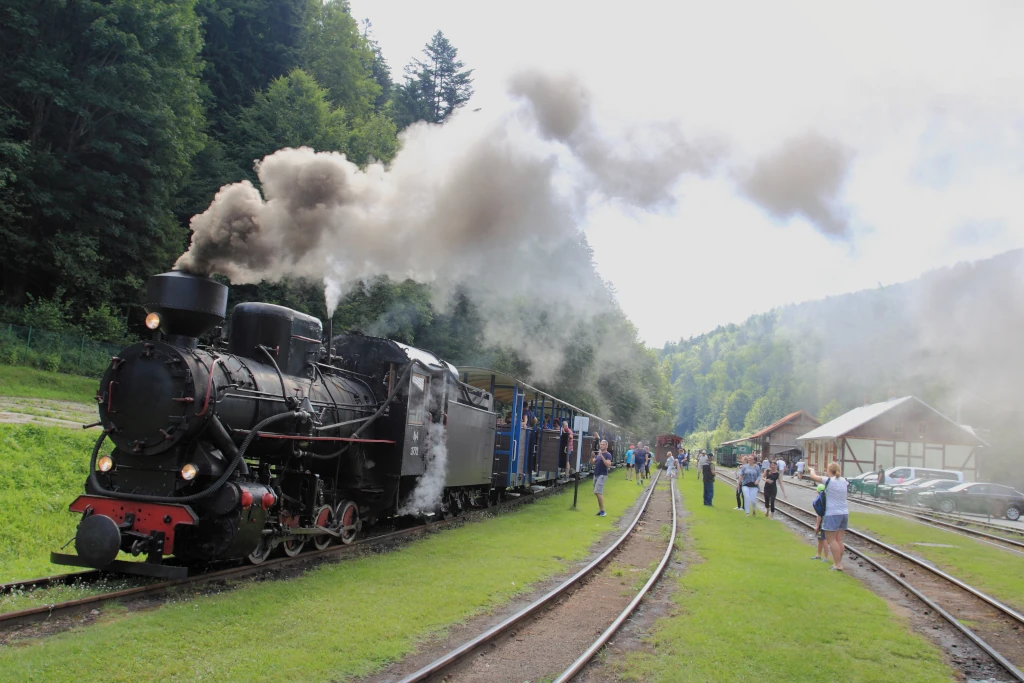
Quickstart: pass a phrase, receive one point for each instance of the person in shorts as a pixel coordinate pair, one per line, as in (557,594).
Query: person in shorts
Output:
(601,462)
(630,471)
(670,465)
(837,514)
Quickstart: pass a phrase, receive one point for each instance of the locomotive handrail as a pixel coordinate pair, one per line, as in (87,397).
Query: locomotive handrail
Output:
(266,352)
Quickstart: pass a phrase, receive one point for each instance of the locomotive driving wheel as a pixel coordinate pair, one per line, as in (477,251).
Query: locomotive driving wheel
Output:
(294,546)
(262,551)
(324,517)
(347,514)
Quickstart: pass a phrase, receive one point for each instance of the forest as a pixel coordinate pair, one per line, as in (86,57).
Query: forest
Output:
(949,337)
(120,120)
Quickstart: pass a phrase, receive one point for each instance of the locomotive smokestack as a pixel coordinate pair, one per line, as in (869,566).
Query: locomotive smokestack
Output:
(181,304)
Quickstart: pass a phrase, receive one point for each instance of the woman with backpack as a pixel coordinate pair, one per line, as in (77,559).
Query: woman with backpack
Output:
(836,519)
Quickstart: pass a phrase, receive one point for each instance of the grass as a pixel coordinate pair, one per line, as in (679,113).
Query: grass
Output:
(337,621)
(22,381)
(985,567)
(42,469)
(754,585)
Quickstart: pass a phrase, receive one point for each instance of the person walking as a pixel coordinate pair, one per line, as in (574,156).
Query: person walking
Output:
(647,463)
(640,457)
(601,461)
(749,475)
(739,494)
(764,464)
(686,460)
(837,514)
(772,482)
(682,458)
(629,462)
(670,465)
(708,476)
(800,469)
(702,461)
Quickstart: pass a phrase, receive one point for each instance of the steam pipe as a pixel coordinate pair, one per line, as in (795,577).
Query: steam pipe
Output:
(330,337)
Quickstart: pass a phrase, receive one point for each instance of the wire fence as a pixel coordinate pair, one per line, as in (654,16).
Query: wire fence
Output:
(54,351)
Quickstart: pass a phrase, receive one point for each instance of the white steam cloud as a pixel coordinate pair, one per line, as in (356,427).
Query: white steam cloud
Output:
(426,496)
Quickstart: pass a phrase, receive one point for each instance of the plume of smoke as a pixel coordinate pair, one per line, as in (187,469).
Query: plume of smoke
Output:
(487,202)
(803,178)
(426,496)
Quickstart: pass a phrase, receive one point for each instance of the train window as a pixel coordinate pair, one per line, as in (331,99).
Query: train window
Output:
(419,388)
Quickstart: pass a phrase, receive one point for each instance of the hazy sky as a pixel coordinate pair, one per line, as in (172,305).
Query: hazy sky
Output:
(921,105)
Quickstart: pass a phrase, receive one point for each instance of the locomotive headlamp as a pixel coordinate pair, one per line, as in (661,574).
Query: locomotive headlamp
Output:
(189,472)
(153,321)
(105,464)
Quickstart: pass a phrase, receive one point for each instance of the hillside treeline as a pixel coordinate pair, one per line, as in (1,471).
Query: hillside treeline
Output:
(947,338)
(120,119)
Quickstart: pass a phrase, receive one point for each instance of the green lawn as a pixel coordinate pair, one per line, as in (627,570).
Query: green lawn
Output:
(754,607)
(42,469)
(335,622)
(22,381)
(994,571)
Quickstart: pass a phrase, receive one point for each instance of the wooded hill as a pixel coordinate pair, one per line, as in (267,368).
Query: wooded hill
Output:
(951,338)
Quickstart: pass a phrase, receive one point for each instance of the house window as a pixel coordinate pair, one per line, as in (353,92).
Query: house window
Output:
(898,428)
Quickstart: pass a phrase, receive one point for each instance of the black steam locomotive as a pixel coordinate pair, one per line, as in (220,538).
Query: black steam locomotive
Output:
(272,438)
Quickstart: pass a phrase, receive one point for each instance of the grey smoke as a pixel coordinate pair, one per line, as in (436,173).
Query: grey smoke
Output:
(488,202)
(803,177)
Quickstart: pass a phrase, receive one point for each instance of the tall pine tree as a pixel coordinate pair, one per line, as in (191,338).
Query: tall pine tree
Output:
(434,87)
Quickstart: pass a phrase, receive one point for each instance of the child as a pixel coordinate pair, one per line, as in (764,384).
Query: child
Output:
(820,534)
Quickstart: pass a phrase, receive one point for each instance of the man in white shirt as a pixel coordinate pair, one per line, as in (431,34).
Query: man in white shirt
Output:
(764,464)
(782,466)
(800,470)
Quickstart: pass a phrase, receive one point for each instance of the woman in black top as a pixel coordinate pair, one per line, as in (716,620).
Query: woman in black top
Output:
(771,483)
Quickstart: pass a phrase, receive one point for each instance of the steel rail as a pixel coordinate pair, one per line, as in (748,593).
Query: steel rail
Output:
(1008,611)
(953,621)
(490,634)
(47,581)
(44,612)
(603,639)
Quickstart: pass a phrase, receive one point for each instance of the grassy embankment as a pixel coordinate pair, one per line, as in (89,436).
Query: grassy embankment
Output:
(754,607)
(337,621)
(994,571)
(20,381)
(42,469)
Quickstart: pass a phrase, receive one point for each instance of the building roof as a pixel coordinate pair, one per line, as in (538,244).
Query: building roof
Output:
(771,428)
(847,422)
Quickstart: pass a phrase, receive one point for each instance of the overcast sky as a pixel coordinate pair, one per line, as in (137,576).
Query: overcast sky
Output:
(917,108)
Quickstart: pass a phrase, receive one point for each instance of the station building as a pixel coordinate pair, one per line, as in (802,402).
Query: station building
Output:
(777,440)
(898,432)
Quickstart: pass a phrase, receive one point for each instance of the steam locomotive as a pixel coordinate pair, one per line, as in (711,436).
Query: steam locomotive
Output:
(272,438)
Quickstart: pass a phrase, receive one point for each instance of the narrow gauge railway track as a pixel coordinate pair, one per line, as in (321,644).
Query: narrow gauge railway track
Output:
(985,610)
(444,663)
(929,518)
(44,612)
(88,576)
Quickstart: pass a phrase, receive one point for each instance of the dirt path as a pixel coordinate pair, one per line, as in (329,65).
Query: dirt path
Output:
(70,414)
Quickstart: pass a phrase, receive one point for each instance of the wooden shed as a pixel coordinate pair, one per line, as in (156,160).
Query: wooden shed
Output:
(778,439)
(898,432)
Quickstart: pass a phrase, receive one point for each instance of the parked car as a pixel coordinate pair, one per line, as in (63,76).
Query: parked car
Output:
(858,483)
(885,490)
(908,494)
(977,497)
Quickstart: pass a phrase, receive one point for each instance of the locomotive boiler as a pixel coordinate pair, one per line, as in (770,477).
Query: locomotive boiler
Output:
(270,439)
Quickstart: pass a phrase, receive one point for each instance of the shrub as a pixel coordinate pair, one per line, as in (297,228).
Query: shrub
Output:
(51,362)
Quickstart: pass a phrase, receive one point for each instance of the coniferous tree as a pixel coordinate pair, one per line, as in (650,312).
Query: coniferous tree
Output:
(434,87)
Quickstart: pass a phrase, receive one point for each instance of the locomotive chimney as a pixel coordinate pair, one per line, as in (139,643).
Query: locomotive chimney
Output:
(184,305)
